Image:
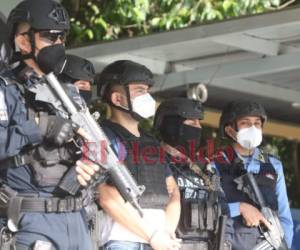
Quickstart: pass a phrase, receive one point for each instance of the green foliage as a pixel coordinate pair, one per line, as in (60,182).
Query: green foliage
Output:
(285,149)
(96,20)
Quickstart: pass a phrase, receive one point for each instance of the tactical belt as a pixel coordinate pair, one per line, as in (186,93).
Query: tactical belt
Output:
(10,198)
(15,161)
(11,202)
(51,205)
(46,205)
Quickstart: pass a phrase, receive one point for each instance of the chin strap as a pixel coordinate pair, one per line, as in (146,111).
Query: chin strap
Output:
(126,87)
(17,56)
(133,114)
(128,110)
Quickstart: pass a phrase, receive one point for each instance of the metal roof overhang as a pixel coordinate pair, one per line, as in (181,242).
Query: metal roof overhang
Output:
(255,57)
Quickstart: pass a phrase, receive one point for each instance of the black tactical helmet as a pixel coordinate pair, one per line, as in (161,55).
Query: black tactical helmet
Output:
(238,109)
(122,72)
(78,68)
(183,107)
(40,15)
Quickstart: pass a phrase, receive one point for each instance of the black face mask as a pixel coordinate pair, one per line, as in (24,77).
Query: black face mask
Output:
(86,95)
(184,137)
(52,58)
(190,140)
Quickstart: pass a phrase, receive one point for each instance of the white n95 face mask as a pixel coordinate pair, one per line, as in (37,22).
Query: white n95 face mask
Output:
(144,105)
(249,138)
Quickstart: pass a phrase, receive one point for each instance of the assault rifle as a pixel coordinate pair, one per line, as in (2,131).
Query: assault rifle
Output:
(52,92)
(274,237)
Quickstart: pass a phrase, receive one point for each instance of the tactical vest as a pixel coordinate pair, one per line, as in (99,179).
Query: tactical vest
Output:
(266,180)
(48,162)
(147,168)
(200,207)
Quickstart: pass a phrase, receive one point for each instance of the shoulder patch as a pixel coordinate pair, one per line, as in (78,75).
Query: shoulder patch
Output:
(3,107)
(264,156)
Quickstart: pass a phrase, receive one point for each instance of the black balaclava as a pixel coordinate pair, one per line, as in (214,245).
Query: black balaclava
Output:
(177,134)
(86,95)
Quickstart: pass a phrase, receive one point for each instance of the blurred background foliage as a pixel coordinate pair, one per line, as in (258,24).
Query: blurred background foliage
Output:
(98,20)
(104,20)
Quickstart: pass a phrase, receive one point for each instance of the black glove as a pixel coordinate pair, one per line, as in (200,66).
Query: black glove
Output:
(57,130)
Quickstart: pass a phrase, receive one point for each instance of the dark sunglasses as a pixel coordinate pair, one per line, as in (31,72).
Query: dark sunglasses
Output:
(52,35)
(49,35)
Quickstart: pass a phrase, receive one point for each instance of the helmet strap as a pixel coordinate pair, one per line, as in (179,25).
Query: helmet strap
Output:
(133,114)
(235,127)
(129,110)
(31,55)
(122,108)
(17,56)
(127,92)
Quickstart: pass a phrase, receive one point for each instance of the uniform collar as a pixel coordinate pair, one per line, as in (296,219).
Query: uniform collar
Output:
(252,162)
(258,155)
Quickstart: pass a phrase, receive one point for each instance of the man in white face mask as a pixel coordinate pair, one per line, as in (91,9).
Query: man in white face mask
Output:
(124,85)
(242,122)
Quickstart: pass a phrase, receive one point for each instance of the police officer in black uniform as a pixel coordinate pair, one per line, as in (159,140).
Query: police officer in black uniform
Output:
(37,148)
(124,85)
(242,122)
(202,202)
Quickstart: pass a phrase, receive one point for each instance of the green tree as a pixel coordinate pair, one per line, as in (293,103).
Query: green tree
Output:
(96,20)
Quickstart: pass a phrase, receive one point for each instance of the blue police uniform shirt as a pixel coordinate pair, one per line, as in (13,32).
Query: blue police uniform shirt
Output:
(16,131)
(253,165)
